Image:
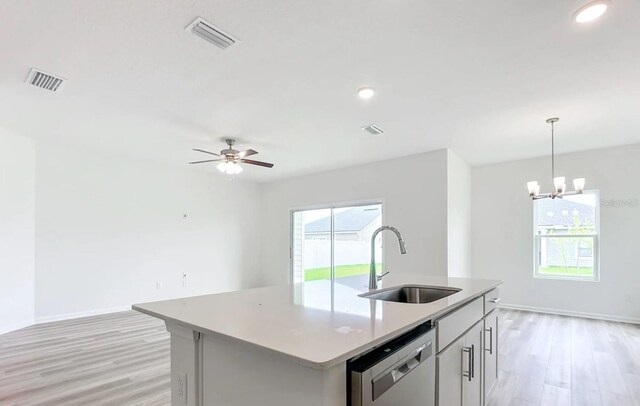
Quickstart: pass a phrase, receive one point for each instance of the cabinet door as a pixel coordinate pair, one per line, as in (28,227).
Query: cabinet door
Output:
(490,351)
(472,366)
(449,375)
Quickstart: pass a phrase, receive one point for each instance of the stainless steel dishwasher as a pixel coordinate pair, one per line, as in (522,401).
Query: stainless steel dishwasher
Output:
(401,372)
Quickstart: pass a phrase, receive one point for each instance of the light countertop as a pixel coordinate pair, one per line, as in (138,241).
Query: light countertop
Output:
(311,323)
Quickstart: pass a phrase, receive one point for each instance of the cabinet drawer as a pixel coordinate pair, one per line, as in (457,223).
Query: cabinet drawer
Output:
(491,300)
(453,325)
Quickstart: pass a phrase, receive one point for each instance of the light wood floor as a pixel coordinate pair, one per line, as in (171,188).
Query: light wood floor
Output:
(117,359)
(123,359)
(549,360)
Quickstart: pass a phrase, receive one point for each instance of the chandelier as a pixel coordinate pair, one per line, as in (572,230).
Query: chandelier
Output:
(559,185)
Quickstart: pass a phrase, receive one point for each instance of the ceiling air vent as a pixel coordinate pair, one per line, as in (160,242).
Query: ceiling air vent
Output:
(44,80)
(373,129)
(208,32)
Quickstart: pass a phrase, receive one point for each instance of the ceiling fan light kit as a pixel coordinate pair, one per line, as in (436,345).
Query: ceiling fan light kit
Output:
(229,167)
(559,182)
(230,159)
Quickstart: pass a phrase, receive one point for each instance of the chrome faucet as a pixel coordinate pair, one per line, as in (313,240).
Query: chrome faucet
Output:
(373,277)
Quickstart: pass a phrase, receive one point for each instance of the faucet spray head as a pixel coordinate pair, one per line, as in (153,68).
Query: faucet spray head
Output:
(403,247)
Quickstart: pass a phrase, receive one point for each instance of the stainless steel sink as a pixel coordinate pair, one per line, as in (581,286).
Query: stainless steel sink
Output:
(411,294)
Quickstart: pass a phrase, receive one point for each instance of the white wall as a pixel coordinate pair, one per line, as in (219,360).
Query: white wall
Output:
(458,216)
(414,190)
(17,201)
(109,229)
(502,231)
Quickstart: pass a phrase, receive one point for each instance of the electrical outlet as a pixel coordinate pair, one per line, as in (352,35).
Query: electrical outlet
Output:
(158,285)
(181,387)
(184,280)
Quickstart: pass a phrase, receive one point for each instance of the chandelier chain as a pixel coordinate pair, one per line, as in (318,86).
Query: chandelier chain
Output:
(553,153)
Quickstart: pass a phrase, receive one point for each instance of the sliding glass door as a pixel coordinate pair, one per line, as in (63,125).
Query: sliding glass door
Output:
(334,243)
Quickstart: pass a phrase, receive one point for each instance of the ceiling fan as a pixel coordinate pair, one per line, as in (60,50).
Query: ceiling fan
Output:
(230,159)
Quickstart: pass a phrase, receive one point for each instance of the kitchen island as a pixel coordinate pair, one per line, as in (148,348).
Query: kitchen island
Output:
(289,345)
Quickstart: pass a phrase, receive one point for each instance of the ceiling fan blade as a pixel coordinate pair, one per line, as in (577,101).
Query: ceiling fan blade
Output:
(201,162)
(247,152)
(259,163)
(206,152)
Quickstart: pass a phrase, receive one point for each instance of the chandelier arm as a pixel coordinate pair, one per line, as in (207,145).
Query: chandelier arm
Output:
(543,196)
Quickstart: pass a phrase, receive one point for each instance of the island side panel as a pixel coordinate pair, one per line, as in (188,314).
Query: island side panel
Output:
(241,374)
(186,371)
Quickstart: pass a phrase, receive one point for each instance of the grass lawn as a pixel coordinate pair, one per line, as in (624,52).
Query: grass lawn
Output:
(558,270)
(341,271)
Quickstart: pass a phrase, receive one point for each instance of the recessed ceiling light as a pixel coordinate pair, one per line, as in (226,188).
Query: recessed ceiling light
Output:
(366,92)
(591,11)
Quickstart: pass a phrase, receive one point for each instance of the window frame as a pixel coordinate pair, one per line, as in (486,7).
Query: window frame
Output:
(537,242)
(332,207)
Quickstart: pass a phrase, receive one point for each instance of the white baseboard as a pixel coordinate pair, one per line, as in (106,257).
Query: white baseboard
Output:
(60,317)
(16,326)
(77,315)
(585,315)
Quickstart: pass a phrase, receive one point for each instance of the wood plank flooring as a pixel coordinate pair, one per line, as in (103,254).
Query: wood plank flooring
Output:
(116,359)
(549,360)
(122,359)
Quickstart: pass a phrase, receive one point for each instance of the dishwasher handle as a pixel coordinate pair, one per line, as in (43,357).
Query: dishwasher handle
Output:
(386,380)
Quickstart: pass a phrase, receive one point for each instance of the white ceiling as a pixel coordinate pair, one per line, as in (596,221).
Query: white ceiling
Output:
(479,77)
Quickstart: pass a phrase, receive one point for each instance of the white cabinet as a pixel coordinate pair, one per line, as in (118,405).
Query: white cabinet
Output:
(472,366)
(491,300)
(456,323)
(490,351)
(459,370)
(467,358)
(449,375)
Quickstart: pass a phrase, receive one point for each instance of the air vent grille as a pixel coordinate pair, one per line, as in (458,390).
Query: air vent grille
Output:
(44,80)
(209,33)
(373,129)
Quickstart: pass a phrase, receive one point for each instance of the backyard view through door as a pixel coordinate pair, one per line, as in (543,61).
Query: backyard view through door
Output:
(335,243)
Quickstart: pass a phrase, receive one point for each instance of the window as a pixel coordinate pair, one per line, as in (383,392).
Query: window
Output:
(334,243)
(566,237)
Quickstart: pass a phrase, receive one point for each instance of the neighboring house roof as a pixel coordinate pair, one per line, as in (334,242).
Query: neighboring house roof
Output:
(354,220)
(561,212)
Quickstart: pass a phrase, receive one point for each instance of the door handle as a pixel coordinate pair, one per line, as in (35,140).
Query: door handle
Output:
(469,373)
(494,300)
(473,361)
(490,330)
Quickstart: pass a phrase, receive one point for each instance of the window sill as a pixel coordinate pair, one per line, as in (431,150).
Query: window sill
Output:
(568,278)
